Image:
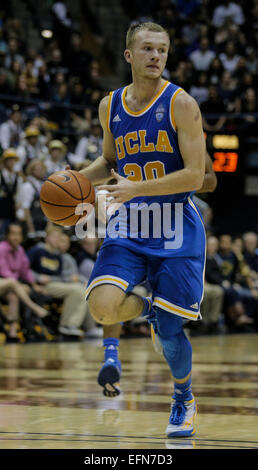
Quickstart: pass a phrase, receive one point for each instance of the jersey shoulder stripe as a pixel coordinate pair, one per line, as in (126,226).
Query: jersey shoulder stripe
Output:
(172,101)
(109,110)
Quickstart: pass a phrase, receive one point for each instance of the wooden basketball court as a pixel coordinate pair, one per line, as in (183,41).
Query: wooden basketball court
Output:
(49,397)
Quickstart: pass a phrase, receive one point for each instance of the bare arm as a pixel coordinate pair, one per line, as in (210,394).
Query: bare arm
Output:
(99,170)
(210,178)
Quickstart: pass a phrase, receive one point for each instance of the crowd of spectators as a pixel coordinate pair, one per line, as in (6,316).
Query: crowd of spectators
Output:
(48,118)
(213,54)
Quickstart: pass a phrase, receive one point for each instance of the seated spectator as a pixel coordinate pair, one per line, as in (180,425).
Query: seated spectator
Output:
(16,278)
(229,267)
(225,11)
(181,75)
(70,273)
(13,54)
(199,90)
(31,148)
(243,276)
(211,307)
(55,160)
(47,265)
(90,146)
(213,105)
(215,71)
(30,78)
(10,183)
(249,106)
(44,84)
(29,211)
(228,91)
(202,57)
(251,256)
(246,81)
(251,60)
(10,130)
(55,63)
(246,282)
(86,257)
(59,111)
(230,58)
(77,96)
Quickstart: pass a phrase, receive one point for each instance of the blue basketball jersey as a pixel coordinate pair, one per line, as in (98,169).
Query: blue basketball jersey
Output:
(147,148)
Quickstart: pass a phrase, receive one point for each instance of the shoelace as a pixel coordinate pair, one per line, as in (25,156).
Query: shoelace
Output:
(178,413)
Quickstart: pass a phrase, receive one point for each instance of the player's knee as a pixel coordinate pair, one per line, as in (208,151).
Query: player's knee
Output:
(168,324)
(105,305)
(171,334)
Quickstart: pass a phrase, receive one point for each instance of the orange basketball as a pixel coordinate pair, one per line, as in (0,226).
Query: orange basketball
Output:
(63,197)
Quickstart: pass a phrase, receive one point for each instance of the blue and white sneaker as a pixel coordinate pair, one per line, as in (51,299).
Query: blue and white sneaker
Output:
(182,419)
(109,376)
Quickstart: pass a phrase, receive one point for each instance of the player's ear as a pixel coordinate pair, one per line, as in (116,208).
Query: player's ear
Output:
(127,55)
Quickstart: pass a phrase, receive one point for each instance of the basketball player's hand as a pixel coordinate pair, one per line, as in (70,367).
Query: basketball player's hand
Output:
(124,190)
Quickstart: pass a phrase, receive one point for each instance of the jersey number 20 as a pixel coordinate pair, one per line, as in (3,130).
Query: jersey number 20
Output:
(150,171)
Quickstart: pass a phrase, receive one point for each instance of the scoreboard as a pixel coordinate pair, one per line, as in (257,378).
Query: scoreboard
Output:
(235,162)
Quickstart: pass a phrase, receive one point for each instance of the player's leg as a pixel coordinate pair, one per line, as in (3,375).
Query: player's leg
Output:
(177,351)
(108,301)
(110,372)
(178,286)
(116,272)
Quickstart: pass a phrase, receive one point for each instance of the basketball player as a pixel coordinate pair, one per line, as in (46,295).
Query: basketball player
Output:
(111,369)
(153,132)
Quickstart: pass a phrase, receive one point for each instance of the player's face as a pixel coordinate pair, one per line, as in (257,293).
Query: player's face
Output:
(149,53)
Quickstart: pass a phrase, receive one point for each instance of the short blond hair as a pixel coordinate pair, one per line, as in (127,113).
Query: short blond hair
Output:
(147,26)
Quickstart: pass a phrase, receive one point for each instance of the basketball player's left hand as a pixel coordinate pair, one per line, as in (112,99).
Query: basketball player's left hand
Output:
(124,190)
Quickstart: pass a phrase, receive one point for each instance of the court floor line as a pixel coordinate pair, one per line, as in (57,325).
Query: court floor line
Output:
(122,436)
(125,442)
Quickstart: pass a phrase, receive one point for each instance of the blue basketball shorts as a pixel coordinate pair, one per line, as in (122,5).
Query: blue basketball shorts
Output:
(176,283)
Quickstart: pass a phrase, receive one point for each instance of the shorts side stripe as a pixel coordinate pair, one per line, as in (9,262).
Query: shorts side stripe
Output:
(169,307)
(117,281)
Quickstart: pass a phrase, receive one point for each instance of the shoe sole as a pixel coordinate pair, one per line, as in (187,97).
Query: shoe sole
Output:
(181,433)
(108,377)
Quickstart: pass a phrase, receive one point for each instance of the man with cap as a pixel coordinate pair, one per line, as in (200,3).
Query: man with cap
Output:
(31,148)
(10,183)
(55,160)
